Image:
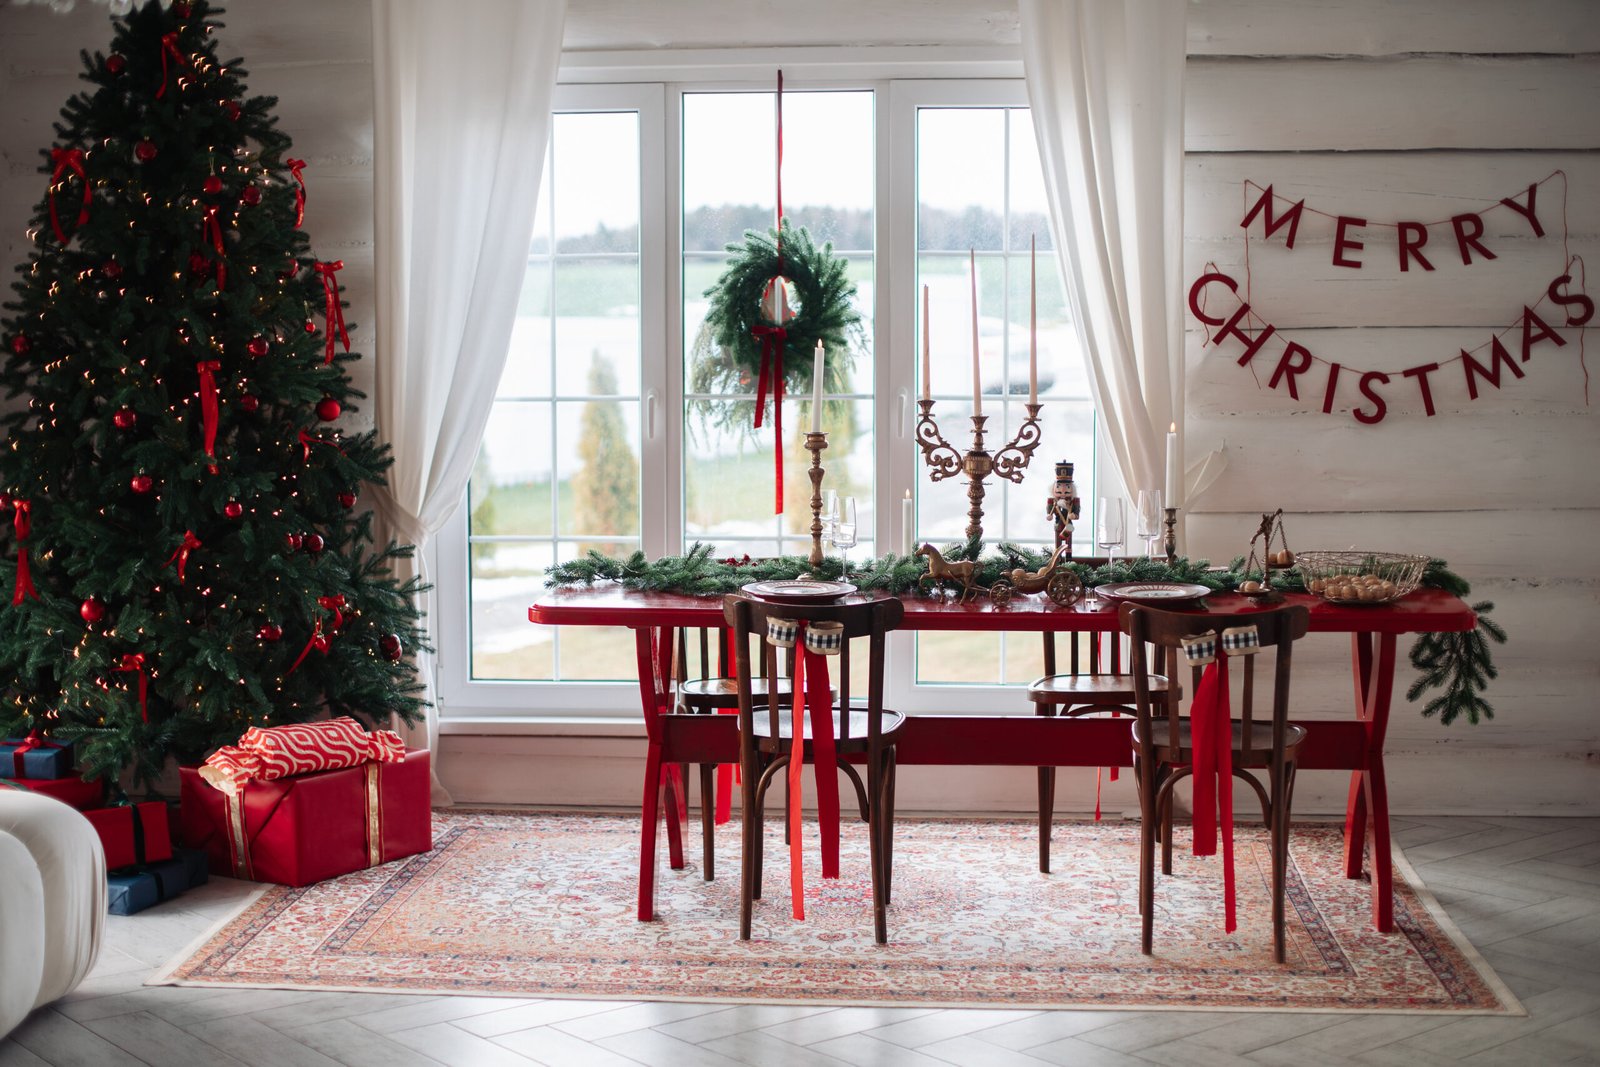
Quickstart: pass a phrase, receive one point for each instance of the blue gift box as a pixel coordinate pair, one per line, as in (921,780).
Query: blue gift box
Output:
(51,760)
(141,887)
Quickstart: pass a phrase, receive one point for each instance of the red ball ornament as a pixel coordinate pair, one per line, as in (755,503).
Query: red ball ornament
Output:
(181,9)
(249,402)
(233,509)
(328,409)
(293,541)
(92,610)
(124,418)
(270,632)
(250,195)
(257,346)
(144,151)
(320,642)
(5,501)
(116,63)
(198,263)
(311,327)
(142,483)
(212,184)
(313,543)
(112,270)
(391,647)
(231,109)
(347,500)
(21,345)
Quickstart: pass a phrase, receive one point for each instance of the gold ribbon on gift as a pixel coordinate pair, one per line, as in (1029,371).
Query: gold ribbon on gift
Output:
(239,843)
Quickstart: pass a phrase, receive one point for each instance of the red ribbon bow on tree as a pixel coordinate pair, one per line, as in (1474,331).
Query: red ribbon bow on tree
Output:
(208,406)
(211,230)
(169,47)
(334,604)
(23,524)
(307,440)
(319,640)
(68,159)
(295,167)
(331,310)
(134,661)
(181,554)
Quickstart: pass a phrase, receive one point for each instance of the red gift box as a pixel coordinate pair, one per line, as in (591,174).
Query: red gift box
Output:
(300,830)
(75,791)
(133,833)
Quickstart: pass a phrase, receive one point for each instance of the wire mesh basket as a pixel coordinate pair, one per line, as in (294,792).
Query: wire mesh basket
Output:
(1356,577)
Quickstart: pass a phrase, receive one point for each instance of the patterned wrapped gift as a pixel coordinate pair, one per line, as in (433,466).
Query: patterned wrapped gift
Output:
(300,830)
(137,888)
(133,833)
(35,756)
(69,790)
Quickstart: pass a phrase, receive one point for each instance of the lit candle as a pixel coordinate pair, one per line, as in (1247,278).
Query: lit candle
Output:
(1174,474)
(927,390)
(1033,325)
(977,377)
(816,389)
(906,525)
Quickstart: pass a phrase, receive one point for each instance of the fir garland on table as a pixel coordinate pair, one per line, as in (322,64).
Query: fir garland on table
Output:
(1458,663)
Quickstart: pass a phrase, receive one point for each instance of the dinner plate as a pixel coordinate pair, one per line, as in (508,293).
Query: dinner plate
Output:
(799,591)
(1154,593)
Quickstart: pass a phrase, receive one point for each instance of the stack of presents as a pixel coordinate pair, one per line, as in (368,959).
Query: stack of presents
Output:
(289,804)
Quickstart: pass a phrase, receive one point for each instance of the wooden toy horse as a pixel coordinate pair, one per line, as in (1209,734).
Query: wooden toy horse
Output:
(941,571)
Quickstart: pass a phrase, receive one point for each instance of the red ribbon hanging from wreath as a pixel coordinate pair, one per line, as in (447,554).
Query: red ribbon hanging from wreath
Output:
(211,230)
(23,524)
(68,159)
(774,337)
(180,555)
(134,661)
(295,167)
(169,47)
(333,313)
(208,406)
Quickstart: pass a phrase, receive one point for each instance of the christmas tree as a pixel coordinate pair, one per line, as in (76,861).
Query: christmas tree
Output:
(185,551)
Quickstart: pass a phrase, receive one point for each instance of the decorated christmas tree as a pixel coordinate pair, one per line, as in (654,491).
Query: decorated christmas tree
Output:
(185,547)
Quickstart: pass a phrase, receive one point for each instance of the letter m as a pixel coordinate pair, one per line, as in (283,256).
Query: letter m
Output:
(1290,218)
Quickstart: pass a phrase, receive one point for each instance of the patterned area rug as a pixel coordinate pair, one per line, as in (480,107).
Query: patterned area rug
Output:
(542,905)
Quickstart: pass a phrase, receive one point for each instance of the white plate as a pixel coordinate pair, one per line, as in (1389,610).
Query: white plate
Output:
(1152,592)
(799,591)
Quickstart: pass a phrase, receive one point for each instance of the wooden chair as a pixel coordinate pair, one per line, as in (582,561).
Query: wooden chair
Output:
(1163,743)
(1087,687)
(863,732)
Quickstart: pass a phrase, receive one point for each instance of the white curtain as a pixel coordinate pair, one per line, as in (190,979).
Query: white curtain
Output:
(1105,82)
(462,96)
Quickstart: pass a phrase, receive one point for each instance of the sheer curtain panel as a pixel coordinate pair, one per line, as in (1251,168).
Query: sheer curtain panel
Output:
(462,115)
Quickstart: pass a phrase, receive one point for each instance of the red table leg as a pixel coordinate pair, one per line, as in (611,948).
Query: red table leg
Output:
(652,648)
(1369,789)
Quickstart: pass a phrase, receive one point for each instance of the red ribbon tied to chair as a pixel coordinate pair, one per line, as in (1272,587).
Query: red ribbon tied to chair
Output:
(813,689)
(180,555)
(332,312)
(208,406)
(23,525)
(1211,720)
(169,47)
(211,230)
(134,661)
(295,167)
(64,160)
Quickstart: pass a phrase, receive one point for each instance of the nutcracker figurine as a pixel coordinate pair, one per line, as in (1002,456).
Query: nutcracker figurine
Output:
(1063,505)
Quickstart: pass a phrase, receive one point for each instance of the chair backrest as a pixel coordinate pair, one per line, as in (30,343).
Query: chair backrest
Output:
(1104,652)
(868,621)
(1161,633)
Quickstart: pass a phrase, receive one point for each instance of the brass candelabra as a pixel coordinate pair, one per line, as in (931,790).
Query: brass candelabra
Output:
(816,441)
(976,462)
(1172,534)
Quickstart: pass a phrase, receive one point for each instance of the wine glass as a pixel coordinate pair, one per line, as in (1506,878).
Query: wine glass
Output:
(1149,519)
(829,514)
(1108,527)
(843,534)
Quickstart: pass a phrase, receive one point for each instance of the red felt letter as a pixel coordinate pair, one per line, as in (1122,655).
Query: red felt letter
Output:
(1468,229)
(1379,407)
(1528,212)
(1291,218)
(1333,382)
(1194,295)
(1295,361)
(1529,338)
(1421,375)
(1341,242)
(1475,370)
(1413,235)
(1231,329)
(1581,300)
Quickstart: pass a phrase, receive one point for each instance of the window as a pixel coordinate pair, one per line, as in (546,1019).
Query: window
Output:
(603,436)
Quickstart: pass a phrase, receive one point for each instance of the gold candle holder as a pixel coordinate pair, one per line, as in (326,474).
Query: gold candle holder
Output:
(976,463)
(816,441)
(1172,535)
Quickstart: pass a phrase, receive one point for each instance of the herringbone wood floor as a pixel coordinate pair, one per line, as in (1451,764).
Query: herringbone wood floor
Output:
(1526,891)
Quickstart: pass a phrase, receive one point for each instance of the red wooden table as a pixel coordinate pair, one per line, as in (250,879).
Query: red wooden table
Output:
(1025,740)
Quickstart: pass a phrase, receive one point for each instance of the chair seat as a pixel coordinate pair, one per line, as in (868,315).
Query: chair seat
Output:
(1258,753)
(711,693)
(1089,688)
(856,742)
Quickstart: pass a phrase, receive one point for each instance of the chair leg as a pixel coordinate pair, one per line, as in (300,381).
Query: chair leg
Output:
(888,830)
(880,917)
(1165,829)
(1148,809)
(1282,776)
(750,845)
(708,820)
(1047,807)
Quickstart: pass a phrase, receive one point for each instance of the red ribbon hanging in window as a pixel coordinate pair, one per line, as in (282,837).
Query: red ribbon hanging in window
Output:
(333,313)
(23,524)
(134,661)
(67,159)
(211,230)
(773,338)
(180,555)
(208,406)
(169,47)
(295,167)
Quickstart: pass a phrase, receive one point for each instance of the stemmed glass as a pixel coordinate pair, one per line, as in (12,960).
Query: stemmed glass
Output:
(843,533)
(1149,519)
(829,514)
(1108,527)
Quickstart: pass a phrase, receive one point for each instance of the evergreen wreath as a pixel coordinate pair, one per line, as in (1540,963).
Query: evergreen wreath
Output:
(727,355)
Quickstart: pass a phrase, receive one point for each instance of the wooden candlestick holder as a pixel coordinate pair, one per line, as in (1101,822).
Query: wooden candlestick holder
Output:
(816,441)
